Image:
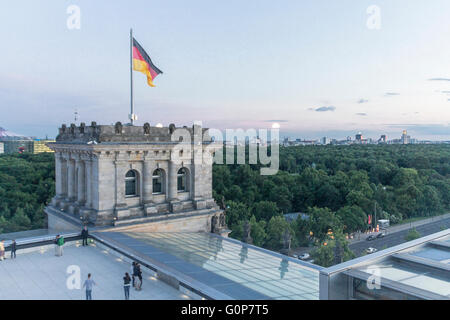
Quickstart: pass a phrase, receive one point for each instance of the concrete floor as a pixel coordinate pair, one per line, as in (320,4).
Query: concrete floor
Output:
(42,275)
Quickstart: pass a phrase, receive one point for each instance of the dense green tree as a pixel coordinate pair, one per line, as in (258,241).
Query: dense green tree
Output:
(26,187)
(275,229)
(258,231)
(353,218)
(322,221)
(332,250)
(323,254)
(236,212)
(20,221)
(302,228)
(265,210)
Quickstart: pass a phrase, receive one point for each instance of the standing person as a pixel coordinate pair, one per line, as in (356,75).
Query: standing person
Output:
(139,275)
(59,245)
(88,284)
(133,267)
(13,249)
(56,245)
(2,250)
(136,275)
(126,285)
(85,235)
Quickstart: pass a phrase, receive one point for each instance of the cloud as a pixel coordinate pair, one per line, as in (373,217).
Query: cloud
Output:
(392,94)
(324,109)
(362,114)
(439,79)
(363,101)
(276,120)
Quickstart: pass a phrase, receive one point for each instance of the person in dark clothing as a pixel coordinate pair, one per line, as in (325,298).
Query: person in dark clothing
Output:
(139,275)
(13,249)
(133,272)
(85,235)
(126,285)
(136,270)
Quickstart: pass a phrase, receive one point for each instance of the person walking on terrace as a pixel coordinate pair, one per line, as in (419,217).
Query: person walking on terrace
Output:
(88,284)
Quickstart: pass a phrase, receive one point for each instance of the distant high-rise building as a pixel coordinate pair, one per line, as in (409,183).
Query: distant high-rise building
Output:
(2,148)
(383,139)
(405,139)
(325,140)
(359,139)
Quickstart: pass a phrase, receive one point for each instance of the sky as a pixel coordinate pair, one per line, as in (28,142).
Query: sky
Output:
(318,68)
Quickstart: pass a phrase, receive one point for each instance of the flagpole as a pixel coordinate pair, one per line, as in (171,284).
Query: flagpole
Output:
(131,77)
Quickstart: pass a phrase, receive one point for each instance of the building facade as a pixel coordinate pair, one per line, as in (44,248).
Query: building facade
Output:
(40,146)
(117,174)
(18,146)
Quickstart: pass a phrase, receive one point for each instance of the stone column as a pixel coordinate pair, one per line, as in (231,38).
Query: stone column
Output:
(172,176)
(196,172)
(120,173)
(63,175)
(71,193)
(147,181)
(58,176)
(88,179)
(81,182)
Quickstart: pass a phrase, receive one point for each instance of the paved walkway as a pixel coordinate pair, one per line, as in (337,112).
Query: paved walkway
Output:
(42,275)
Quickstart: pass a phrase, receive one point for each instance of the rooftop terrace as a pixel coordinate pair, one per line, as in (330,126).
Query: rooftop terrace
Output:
(39,274)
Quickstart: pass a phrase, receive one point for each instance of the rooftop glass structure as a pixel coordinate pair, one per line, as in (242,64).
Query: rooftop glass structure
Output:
(418,269)
(236,269)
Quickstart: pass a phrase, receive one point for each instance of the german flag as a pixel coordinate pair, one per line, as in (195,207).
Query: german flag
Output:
(143,63)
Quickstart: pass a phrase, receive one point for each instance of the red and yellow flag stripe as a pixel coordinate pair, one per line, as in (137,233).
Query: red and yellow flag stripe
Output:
(143,63)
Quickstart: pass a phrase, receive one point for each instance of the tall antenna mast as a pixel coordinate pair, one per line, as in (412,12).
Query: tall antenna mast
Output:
(132,116)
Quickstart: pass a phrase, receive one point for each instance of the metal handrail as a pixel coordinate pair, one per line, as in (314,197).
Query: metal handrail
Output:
(41,240)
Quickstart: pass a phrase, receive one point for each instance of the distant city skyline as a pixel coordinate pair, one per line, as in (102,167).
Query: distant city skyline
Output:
(316,68)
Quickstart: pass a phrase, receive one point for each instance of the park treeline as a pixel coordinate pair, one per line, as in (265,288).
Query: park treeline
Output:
(26,187)
(337,187)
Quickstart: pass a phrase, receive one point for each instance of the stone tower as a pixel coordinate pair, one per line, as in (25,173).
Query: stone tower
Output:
(156,178)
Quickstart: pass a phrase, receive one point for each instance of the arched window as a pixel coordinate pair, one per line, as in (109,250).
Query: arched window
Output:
(158,181)
(131,184)
(182,180)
